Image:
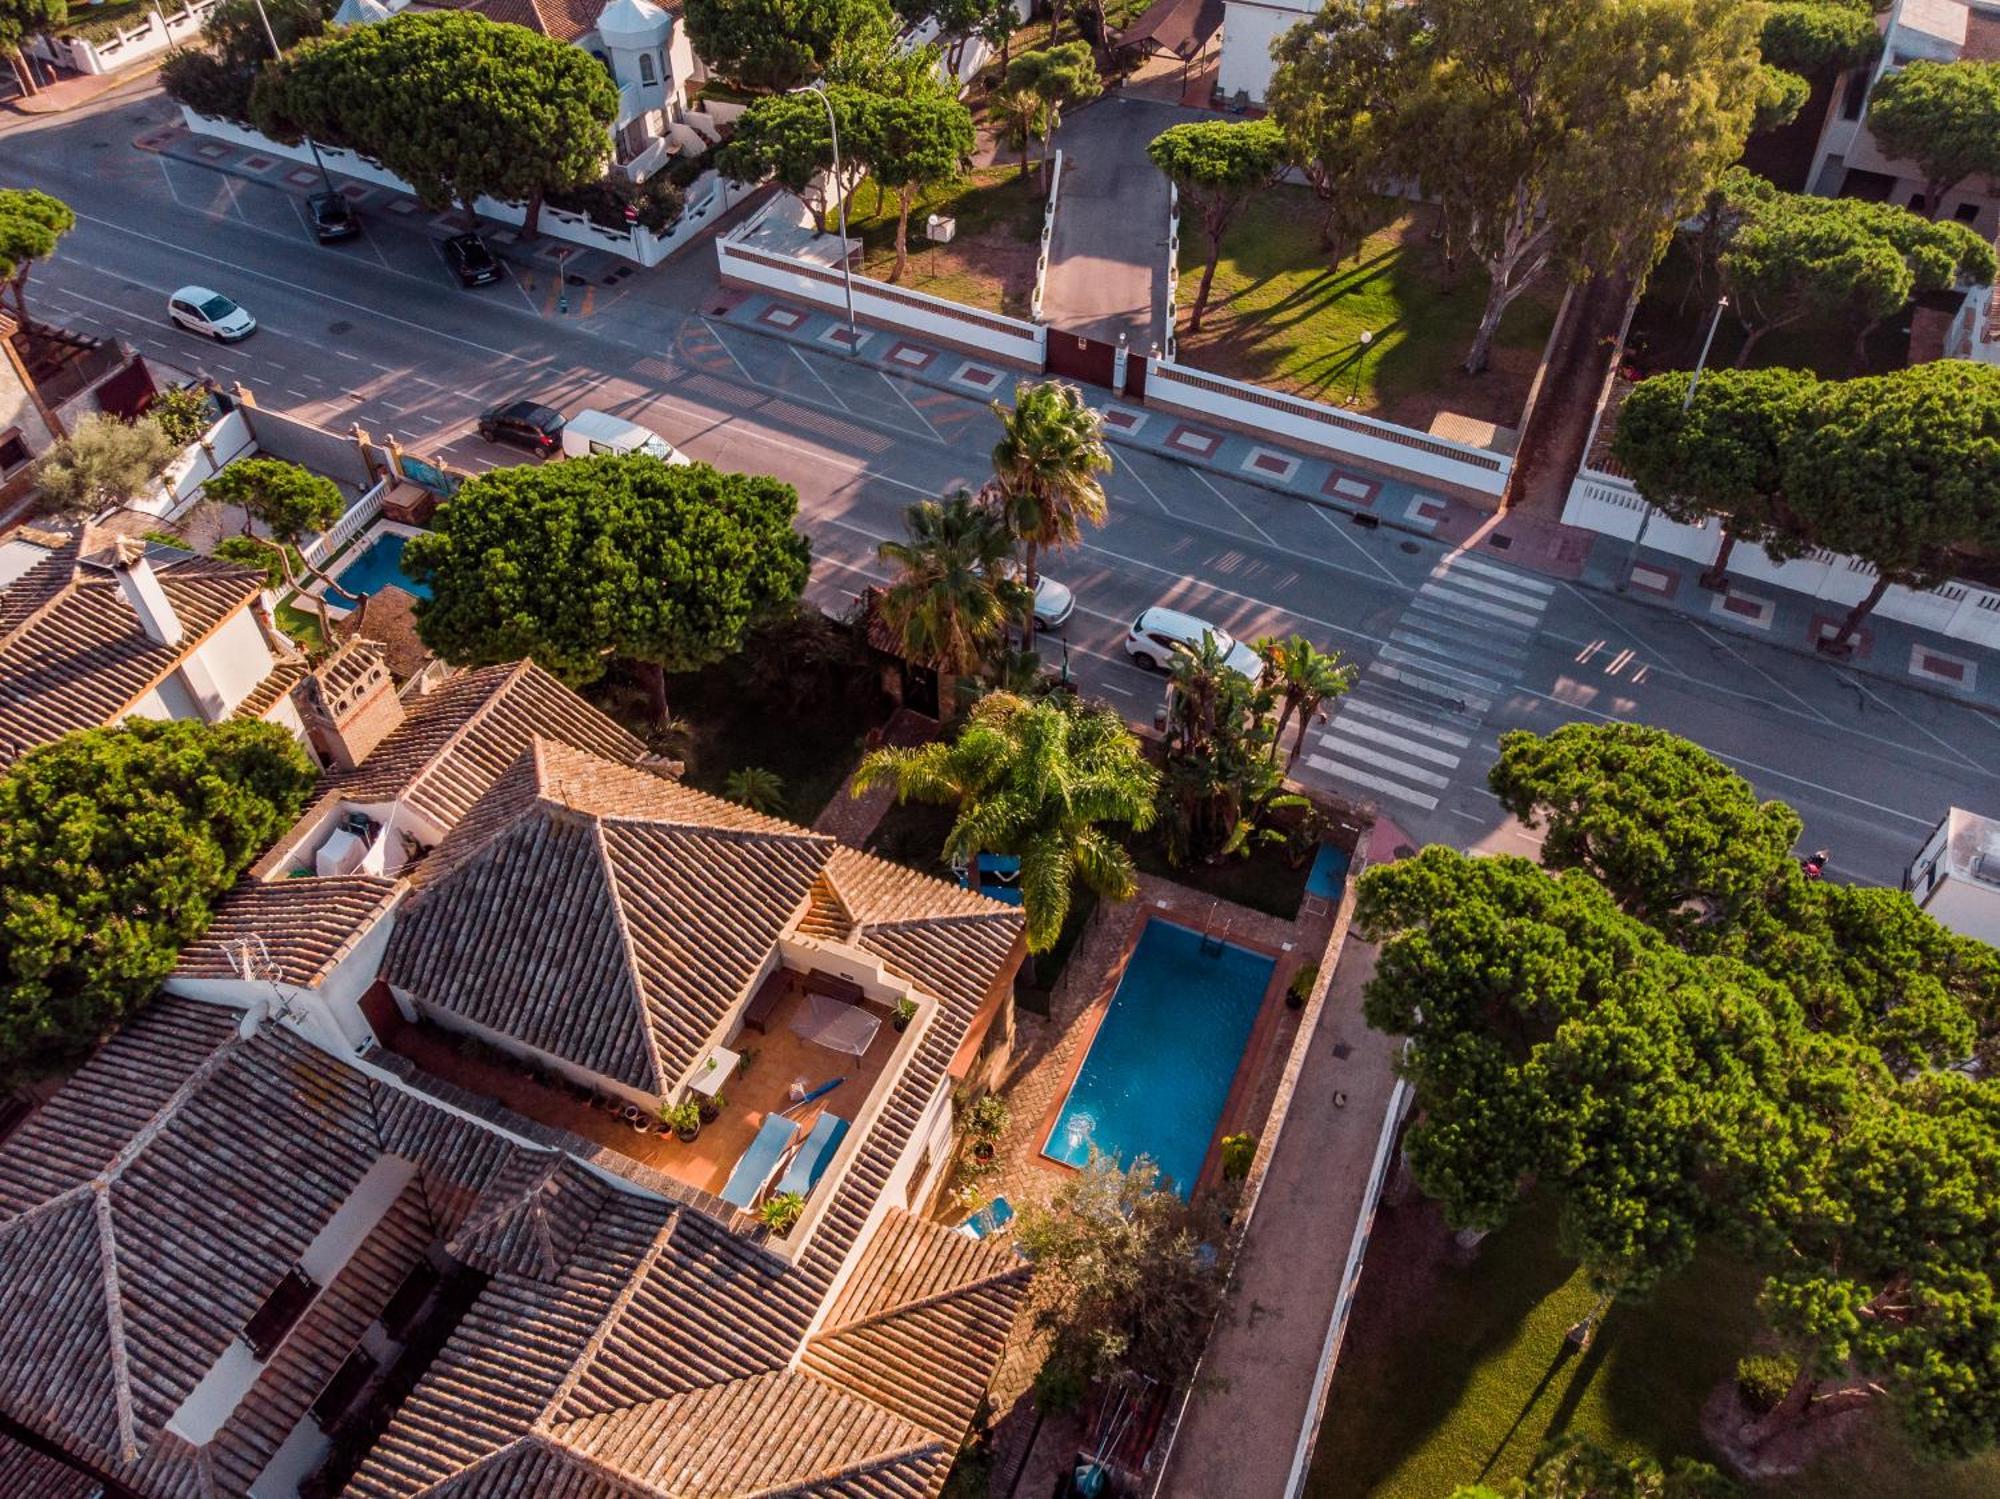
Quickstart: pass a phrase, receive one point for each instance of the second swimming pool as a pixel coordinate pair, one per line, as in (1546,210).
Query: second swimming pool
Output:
(1159,1069)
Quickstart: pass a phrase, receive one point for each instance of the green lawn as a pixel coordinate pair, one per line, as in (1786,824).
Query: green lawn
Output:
(1461,1376)
(990,262)
(1281,314)
(302,625)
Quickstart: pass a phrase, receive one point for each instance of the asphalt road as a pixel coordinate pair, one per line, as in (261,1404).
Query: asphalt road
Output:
(1454,650)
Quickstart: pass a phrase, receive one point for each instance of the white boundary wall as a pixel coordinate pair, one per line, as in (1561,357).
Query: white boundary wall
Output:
(1379,444)
(1048,233)
(178,487)
(707,200)
(876,302)
(157,32)
(1611,506)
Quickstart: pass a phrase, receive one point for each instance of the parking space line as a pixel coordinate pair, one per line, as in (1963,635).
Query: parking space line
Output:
(1269,539)
(911,404)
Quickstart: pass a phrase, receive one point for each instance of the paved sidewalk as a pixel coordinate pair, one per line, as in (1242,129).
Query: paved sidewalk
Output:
(1915,658)
(1258,1390)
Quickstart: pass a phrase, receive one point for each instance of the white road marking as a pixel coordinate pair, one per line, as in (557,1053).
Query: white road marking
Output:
(1403,721)
(1373,782)
(1343,728)
(1477,605)
(1493,570)
(1342,532)
(911,404)
(1401,657)
(1269,540)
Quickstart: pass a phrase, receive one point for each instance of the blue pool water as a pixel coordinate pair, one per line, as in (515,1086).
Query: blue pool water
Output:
(1159,1069)
(1329,873)
(377,565)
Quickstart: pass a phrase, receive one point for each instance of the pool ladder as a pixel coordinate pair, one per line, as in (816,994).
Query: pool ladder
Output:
(1211,944)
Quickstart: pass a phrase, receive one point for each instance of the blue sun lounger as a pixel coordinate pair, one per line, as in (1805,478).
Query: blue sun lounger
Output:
(757,1165)
(813,1157)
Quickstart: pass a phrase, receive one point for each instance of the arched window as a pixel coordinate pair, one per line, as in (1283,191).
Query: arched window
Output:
(646,74)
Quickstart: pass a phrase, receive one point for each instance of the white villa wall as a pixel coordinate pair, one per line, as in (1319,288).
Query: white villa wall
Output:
(876,302)
(1611,506)
(708,199)
(1249,27)
(236,659)
(144,38)
(1379,444)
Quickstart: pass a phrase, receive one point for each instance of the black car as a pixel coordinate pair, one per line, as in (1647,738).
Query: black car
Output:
(332,217)
(523,424)
(471,261)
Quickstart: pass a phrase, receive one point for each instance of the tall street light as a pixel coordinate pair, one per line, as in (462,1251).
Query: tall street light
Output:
(279,53)
(840,203)
(1687,400)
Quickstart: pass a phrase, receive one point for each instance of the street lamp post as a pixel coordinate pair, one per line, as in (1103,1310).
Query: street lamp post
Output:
(1687,400)
(840,204)
(279,53)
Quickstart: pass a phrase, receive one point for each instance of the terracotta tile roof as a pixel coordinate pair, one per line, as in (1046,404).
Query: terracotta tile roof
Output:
(28,1474)
(455,741)
(150,1207)
(532,1215)
(72,654)
(565,20)
(284,677)
(606,915)
(388,616)
(946,940)
(921,1322)
(298,930)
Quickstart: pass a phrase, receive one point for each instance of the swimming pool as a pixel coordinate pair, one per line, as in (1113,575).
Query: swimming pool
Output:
(376,566)
(1159,1069)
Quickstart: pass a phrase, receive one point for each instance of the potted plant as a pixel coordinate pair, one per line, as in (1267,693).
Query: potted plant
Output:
(1301,987)
(710,1108)
(906,1011)
(684,1119)
(984,1121)
(781,1212)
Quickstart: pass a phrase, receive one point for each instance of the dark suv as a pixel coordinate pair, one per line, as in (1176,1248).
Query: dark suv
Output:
(471,261)
(523,424)
(332,217)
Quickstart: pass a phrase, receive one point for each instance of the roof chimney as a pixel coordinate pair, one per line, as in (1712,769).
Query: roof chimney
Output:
(142,590)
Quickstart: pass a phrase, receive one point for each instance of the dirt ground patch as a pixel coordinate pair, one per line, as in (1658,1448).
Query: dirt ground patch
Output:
(990,262)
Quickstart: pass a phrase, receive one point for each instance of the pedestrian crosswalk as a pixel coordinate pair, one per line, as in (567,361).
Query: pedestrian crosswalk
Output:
(1413,715)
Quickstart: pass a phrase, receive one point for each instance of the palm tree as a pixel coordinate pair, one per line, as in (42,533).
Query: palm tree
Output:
(758,789)
(1020,114)
(952,598)
(1304,677)
(1035,779)
(1220,777)
(1045,470)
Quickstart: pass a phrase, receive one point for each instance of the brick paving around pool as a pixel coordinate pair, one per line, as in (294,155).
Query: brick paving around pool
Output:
(1047,1053)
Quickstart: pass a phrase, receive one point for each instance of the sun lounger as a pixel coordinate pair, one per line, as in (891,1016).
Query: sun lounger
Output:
(989,1220)
(757,1165)
(815,1155)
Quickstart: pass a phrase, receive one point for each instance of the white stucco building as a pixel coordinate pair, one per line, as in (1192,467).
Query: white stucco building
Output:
(1249,27)
(1849,163)
(1956,878)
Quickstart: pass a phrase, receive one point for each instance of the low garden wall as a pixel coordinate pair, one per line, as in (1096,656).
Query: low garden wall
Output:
(708,199)
(1384,445)
(144,38)
(1611,506)
(877,303)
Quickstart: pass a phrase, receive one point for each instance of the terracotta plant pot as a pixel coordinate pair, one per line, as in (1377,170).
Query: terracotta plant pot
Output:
(983,1152)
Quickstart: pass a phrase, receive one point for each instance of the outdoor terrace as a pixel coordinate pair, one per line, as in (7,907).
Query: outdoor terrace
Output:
(775,1057)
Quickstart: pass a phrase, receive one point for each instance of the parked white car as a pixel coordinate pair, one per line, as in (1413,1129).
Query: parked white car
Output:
(591,432)
(1159,634)
(1054,602)
(210,313)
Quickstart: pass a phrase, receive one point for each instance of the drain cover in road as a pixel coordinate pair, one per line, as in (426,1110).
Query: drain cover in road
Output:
(339,328)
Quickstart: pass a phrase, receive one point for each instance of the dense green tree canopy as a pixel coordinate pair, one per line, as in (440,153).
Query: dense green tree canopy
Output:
(217,76)
(1792,1089)
(21,19)
(101,462)
(1218,165)
(456,105)
(1818,36)
(786,137)
(951,598)
(114,845)
(1792,256)
(1339,79)
(1677,837)
(1057,77)
(1575,1468)
(780,44)
(30,224)
(911,143)
(576,562)
(1573,134)
(1720,454)
(1944,116)
(1038,779)
(292,502)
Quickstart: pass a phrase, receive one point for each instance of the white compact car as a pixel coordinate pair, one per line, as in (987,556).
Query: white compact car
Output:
(1054,602)
(1159,634)
(200,310)
(591,432)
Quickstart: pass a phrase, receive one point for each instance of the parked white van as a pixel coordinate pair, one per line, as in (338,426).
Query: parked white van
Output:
(592,432)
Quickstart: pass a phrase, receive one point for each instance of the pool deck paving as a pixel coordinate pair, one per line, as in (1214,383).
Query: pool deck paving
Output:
(1258,1393)
(1048,1052)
